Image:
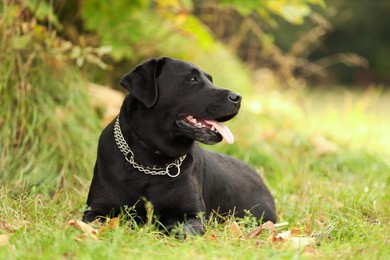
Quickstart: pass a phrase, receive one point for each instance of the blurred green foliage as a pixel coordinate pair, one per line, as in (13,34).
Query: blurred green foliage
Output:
(292,11)
(43,11)
(346,43)
(361,27)
(122,25)
(46,128)
(133,28)
(141,29)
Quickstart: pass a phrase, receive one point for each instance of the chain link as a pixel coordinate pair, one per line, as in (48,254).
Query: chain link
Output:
(129,155)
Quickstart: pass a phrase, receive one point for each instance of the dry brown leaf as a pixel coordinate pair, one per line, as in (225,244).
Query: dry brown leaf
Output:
(269,225)
(255,232)
(211,236)
(283,235)
(88,231)
(296,231)
(234,229)
(323,146)
(266,226)
(307,230)
(113,223)
(7,227)
(11,228)
(4,239)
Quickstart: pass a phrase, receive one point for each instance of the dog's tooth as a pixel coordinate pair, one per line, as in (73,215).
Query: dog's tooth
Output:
(212,128)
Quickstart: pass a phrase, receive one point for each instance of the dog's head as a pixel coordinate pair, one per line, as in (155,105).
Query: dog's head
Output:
(179,100)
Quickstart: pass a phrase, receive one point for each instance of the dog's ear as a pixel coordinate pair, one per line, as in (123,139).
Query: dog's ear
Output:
(141,81)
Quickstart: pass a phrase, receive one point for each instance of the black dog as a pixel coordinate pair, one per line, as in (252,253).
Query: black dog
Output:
(149,151)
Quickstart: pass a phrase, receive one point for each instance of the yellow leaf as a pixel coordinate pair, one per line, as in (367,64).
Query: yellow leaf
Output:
(113,223)
(299,242)
(88,231)
(290,239)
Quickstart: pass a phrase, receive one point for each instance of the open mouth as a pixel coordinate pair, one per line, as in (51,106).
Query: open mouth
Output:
(208,131)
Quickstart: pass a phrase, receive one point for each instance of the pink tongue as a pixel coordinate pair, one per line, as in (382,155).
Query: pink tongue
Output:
(223,130)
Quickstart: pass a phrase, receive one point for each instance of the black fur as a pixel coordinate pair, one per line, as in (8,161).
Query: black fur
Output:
(162,92)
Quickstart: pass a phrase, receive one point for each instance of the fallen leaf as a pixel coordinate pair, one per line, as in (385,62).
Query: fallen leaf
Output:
(113,223)
(4,239)
(307,230)
(269,225)
(7,227)
(291,239)
(299,242)
(88,231)
(283,235)
(234,229)
(212,237)
(13,227)
(266,226)
(296,231)
(255,232)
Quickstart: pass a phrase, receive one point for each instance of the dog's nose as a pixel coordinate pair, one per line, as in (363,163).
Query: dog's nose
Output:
(234,97)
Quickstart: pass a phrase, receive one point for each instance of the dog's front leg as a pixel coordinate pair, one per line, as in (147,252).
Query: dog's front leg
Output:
(193,227)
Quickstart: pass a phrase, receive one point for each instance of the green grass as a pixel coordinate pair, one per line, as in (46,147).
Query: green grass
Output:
(343,196)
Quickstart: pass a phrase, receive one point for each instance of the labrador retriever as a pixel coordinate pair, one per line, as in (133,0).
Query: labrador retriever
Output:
(149,152)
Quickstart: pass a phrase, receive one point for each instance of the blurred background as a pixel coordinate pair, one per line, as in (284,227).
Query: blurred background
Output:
(322,42)
(295,62)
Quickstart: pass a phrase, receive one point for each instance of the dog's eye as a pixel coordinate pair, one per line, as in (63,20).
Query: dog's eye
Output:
(193,79)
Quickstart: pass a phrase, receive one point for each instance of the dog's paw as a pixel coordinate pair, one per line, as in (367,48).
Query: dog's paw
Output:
(192,227)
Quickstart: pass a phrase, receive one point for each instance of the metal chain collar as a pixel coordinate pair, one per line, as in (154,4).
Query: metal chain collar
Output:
(129,156)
